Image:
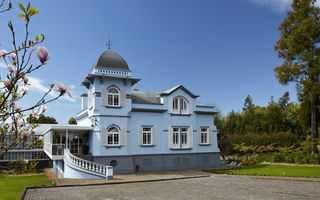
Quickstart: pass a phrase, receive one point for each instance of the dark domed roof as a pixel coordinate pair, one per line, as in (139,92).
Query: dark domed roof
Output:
(111,60)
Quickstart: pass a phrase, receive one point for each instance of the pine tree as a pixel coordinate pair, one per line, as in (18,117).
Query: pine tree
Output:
(299,46)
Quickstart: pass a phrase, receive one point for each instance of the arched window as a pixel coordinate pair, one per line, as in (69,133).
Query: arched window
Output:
(113,135)
(180,105)
(113,96)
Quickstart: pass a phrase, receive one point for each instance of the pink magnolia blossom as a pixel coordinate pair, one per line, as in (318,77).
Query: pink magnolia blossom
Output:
(9,4)
(41,139)
(35,115)
(17,108)
(12,69)
(8,84)
(21,123)
(43,109)
(43,54)
(24,135)
(13,56)
(62,90)
(25,79)
(3,52)
(24,90)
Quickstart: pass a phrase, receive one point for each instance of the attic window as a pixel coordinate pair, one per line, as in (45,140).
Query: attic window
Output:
(180,105)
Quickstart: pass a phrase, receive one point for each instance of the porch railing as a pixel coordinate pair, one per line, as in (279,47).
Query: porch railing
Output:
(88,166)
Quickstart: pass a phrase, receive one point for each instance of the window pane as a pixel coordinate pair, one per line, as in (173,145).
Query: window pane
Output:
(184,138)
(110,99)
(110,141)
(113,129)
(146,129)
(113,90)
(149,138)
(175,138)
(116,138)
(116,100)
(175,104)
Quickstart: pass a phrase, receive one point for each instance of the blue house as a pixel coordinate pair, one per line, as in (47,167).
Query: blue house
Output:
(132,130)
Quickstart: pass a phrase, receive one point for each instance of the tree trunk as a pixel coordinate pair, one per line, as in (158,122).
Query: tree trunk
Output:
(314,127)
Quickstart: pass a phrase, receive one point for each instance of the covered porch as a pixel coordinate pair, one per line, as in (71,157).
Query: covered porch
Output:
(60,137)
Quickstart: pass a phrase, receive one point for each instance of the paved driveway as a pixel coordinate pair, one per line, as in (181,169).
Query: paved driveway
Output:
(215,187)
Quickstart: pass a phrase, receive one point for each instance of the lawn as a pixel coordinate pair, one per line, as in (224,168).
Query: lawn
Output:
(12,187)
(274,170)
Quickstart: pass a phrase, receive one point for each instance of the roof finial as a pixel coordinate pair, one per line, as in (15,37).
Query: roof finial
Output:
(109,44)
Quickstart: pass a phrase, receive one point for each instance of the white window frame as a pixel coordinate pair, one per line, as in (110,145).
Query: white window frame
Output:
(180,137)
(146,136)
(180,105)
(113,95)
(204,135)
(113,135)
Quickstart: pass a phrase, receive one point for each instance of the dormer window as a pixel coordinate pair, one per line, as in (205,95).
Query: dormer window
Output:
(113,95)
(180,105)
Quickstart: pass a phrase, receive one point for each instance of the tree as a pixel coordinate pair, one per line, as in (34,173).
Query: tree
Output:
(299,46)
(248,105)
(14,131)
(42,119)
(72,120)
(284,100)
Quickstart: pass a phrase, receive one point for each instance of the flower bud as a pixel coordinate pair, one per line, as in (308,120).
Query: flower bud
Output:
(24,135)
(13,56)
(43,54)
(8,84)
(3,52)
(9,4)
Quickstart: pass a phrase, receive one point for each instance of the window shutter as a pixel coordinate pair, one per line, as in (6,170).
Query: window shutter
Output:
(140,136)
(170,138)
(210,138)
(199,135)
(90,98)
(123,136)
(170,104)
(103,136)
(190,106)
(154,135)
(190,137)
(104,96)
(123,97)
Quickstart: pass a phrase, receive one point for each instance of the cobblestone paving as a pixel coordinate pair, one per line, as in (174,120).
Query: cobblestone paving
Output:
(215,187)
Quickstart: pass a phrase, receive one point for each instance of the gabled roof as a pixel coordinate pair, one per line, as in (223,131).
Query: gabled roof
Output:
(168,92)
(139,96)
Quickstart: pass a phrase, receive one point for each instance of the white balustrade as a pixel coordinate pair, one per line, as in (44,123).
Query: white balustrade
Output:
(89,166)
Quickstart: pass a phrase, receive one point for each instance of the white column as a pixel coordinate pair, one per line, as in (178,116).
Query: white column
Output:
(67,138)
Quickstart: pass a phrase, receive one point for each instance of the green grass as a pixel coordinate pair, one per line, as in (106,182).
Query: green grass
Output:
(273,170)
(12,187)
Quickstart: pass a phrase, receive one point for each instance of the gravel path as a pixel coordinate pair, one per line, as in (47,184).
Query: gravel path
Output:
(215,187)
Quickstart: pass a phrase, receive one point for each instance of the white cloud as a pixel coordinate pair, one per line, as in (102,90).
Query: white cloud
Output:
(276,5)
(37,84)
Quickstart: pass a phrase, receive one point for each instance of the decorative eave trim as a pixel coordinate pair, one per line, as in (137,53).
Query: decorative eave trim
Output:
(161,104)
(148,110)
(182,88)
(205,106)
(206,112)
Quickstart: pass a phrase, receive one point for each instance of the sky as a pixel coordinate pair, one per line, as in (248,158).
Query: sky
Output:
(220,50)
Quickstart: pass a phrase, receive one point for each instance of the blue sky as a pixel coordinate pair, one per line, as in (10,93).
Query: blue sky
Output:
(220,50)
